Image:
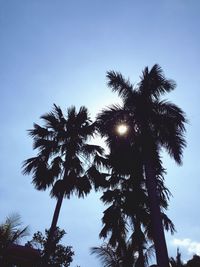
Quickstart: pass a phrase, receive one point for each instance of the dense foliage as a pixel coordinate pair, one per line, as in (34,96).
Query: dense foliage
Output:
(177,262)
(61,256)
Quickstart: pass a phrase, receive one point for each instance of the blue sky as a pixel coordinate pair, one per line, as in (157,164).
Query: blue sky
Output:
(59,52)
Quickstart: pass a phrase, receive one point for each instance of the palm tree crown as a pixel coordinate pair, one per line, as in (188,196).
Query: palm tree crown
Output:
(145,113)
(63,152)
(12,232)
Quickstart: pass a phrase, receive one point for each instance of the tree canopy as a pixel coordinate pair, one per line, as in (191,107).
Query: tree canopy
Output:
(61,256)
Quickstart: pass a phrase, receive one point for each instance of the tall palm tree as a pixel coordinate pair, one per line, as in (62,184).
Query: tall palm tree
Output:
(64,155)
(152,124)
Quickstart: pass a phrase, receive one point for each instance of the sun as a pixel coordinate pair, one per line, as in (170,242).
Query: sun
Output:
(122,129)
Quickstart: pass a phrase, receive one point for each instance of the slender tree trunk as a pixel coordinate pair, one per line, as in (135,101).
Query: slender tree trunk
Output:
(52,230)
(158,231)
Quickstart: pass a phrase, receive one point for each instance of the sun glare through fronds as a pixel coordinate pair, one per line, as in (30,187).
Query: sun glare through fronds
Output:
(122,129)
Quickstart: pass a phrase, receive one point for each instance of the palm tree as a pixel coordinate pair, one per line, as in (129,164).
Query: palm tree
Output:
(152,124)
(107,255)
(63,156)
(110,257)
(12,232)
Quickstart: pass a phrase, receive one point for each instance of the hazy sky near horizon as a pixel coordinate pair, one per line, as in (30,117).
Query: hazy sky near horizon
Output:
(59,52)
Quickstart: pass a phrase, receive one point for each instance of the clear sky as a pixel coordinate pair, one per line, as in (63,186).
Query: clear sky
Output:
(59,52)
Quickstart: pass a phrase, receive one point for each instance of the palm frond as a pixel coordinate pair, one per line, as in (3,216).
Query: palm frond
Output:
(58,112)
(119,84)
(69,184)
(56,166)
(51,121)
(83,116)
(89,150)
(174,143)
(153,82)
(83,186)
(42,177)
(30,165)
(110,196)
(107,255)
(97,178)
(114,224)
(168,224)
(101,162)
(49,146)
(71,114)
(12,231)
(172,111)
(19,234)
(39,132)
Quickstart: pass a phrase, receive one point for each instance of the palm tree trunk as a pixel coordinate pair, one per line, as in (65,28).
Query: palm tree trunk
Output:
(157,226)
(52,230)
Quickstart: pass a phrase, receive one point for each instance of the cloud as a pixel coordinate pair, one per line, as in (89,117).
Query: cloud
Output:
(192,247)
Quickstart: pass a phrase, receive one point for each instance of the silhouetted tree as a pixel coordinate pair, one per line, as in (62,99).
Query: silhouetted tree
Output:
(63,156)
(60,256)
(12,232)
(128,216)
(152,124)
(107,255)
(110,256)
(121,222)
(194,262)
